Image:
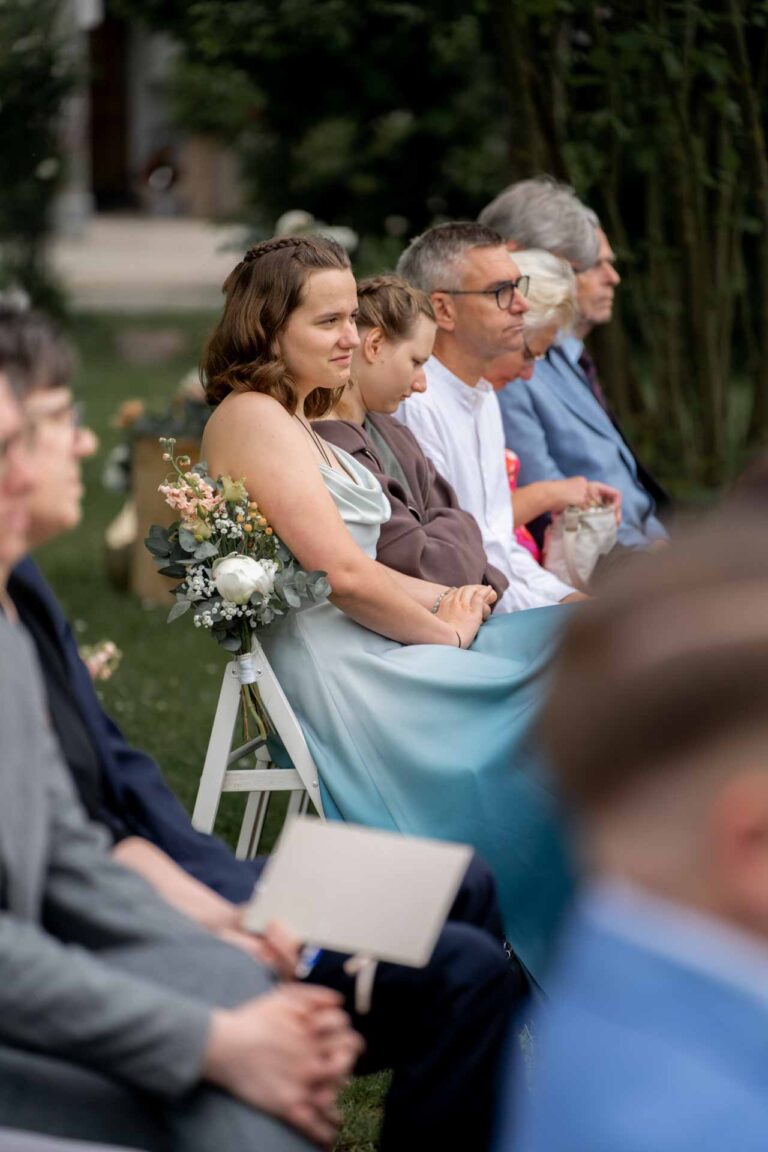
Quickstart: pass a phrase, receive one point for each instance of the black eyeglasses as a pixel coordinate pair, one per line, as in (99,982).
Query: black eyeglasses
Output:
(505,293)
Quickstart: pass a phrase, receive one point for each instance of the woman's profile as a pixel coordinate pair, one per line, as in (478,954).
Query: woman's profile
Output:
(416,706)
(428,535)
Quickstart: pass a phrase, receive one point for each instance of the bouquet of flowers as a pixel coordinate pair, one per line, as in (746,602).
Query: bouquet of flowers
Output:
(236,576)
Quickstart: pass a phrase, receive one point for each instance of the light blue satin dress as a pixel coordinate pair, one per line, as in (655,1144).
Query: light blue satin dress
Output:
(431,740)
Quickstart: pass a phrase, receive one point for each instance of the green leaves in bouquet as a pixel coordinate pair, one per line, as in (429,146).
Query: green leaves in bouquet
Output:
(293,584)
(235,574)
(169,553)
(181,606)
(197,549)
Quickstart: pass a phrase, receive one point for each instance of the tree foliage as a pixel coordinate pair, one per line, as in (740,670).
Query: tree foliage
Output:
(34,79)
(655,111)
(365,114)
(389,115)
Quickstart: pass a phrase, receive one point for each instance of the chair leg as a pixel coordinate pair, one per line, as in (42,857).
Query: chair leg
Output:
(217,756)
(252,825)
(221,756)
(294,803)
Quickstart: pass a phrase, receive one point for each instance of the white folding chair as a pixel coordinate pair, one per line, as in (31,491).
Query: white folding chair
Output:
(219,774)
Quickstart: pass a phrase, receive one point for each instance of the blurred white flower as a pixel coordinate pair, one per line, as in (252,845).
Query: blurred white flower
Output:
(294,222)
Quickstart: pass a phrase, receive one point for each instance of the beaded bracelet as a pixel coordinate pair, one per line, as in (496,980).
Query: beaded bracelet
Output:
(438,602)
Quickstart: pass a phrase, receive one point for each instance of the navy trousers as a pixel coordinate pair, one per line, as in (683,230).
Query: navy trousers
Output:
(441,1028)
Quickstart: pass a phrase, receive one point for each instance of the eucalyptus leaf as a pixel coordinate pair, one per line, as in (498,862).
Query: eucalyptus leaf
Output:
(206,551)
(231,643)
(177,571)
(178,554)
(179,608)
(159,548)
(187,540)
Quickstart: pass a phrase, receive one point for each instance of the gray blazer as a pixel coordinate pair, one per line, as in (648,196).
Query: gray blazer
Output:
(62,901)
(34,1142)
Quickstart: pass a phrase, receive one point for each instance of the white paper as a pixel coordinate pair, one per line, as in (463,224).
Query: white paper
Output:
(359,890)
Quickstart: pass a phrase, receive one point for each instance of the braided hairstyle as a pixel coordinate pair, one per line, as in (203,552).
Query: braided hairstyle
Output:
(392,305)
(242,354)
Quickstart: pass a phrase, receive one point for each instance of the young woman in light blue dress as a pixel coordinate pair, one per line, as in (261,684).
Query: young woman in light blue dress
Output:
(418,721)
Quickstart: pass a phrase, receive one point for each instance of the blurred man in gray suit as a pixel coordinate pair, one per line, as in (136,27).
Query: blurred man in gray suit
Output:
(120,1020)
(14,1141)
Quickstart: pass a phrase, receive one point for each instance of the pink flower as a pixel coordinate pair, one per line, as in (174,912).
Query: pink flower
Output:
(101,659)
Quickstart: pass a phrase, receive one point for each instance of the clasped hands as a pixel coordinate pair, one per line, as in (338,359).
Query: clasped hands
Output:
(583,493)
(289,1051)
(465,609)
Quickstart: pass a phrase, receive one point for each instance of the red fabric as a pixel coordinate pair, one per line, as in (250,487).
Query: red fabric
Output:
(522,535)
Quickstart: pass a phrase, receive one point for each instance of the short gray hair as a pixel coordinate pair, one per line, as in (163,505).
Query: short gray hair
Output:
(432,260)
(551,292)
(34,353)
(541,213)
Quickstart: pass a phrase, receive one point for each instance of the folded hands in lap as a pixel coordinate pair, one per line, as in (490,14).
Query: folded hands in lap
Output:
(287,1053)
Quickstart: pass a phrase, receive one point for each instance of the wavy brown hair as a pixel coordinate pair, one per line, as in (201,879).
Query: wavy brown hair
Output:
(242,353)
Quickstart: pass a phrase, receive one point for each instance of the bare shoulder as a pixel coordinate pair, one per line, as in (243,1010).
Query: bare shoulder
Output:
(248,414)
(249,407)
(250,432)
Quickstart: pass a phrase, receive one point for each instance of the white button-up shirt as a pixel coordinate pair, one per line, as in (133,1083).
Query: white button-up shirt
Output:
(459,427)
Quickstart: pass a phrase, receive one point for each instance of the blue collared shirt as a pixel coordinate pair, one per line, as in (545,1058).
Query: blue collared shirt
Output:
(558,429)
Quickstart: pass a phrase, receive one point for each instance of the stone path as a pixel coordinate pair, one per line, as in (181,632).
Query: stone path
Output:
(146,264)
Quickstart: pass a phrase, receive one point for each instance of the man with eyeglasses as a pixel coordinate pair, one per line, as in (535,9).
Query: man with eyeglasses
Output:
(478,296)
(560,422)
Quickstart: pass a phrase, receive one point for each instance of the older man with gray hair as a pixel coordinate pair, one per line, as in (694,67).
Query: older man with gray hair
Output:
(559,422)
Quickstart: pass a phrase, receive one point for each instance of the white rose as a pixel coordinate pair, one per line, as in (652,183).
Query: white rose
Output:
(238,577)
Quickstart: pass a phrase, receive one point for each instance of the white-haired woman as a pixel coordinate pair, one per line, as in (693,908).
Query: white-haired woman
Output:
(551,312)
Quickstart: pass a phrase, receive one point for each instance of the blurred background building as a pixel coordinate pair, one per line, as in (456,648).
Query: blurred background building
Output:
(123,150)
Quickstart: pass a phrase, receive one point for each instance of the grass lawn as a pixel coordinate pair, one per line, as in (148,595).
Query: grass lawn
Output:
(164,694)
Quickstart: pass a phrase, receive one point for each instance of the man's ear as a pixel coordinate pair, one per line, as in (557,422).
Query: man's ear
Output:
(739,841)
(372,343)
(444,310)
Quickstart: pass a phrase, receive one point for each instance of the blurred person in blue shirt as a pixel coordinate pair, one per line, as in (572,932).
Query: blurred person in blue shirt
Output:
(655,1036)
